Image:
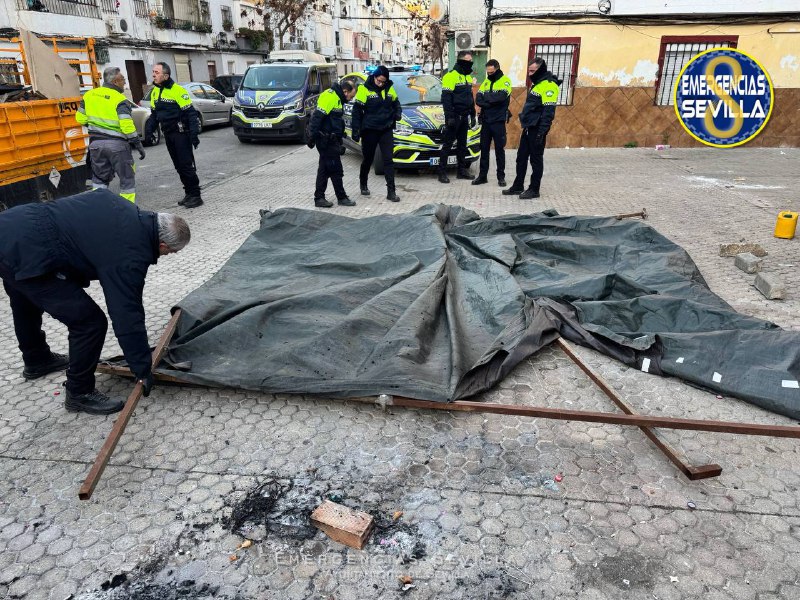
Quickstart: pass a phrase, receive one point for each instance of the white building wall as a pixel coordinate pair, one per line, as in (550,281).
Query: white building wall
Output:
(642,7)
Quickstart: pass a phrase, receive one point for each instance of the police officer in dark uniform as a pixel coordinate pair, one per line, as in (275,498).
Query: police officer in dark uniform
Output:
(50,251)
(493,98)
(180,123)
(375,111)
(459,115)
(326,131)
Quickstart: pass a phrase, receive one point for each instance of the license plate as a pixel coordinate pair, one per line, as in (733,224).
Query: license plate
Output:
(264,125)
(451,160)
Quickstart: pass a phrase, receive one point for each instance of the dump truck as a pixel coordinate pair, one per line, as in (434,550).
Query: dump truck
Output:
(43,149)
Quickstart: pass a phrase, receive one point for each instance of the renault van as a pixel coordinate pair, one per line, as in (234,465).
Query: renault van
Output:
(275,100)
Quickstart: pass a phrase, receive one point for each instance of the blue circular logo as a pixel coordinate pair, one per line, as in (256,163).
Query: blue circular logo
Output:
(723,97)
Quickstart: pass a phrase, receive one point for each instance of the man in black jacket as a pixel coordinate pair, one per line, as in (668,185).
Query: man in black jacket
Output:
(459,115)
(536,118)
(326,131)
(375,111)
(493,98)
(50,251)
(173,111)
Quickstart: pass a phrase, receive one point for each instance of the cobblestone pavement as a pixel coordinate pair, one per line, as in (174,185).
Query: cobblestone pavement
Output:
(200,470)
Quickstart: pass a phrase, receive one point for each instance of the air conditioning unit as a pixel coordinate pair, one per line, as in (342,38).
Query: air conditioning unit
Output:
(465,40)
(117,26)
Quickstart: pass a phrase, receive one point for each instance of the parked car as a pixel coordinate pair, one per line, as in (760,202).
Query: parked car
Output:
(276,99)
(213,107)
(419,134)
(227,84)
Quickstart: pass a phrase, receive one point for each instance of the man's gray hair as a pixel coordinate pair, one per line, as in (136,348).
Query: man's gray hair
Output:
(165,67)
(173,231)
(110,74)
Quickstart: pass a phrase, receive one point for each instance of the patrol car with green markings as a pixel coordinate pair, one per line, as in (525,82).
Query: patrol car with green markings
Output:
(418,135)
(275,100)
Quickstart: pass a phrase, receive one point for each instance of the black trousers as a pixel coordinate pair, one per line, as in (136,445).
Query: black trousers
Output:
(493,132)
(370,140)
(457,133)
(67,302)
(180,150)
(330,167)
(533,151)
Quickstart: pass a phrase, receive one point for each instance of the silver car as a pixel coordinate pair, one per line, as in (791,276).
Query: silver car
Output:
(212,106)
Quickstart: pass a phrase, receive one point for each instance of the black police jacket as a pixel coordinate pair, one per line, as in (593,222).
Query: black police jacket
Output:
(96,235)
(376,108)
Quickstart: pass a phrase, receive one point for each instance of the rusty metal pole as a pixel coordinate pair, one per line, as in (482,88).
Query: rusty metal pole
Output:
(110,444)
(693,473)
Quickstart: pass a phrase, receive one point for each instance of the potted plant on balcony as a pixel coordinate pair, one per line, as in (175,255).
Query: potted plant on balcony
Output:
(227,25)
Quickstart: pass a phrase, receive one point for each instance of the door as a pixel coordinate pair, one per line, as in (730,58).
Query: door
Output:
(137,79)
(182,71)
(212,70)
(221,110)
(201,103)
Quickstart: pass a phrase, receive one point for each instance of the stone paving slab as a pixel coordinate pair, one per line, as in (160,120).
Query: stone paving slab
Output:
(199,470)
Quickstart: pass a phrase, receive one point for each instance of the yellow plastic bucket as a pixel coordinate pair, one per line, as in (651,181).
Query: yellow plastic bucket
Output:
(786,225)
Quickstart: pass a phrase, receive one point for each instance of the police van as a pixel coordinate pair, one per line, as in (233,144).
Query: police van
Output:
(275,100)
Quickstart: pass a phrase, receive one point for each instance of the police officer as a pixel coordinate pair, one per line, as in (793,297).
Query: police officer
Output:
(536,118)
(50,251)
(376,110)
(180,123)
(493,99)
(459,114)
(326,132)
(106,113)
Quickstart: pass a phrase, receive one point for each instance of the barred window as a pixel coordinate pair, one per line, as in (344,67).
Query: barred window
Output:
(77,8)
(676,52)
(141,8)
(561,55)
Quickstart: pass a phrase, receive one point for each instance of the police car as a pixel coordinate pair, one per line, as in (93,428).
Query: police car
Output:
(419,134)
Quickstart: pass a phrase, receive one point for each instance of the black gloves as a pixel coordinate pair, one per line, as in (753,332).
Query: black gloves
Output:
(140,148)
(310,143)
(195,141)
(451,122)
(472,121)
(148,381)
(508,116)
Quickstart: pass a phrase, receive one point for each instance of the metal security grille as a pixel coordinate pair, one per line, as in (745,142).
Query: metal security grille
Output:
(561,56)
(675,54)
(109,6)
(141,9)
(77,8)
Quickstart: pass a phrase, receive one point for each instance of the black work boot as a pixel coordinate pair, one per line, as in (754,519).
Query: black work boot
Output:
(529,194)
(512,191)
(346,202)
(56,362)
(193,202)
(501,181)
(479,180)
(185,199)
(364,189)
(322,203)
(94,403)
(465,175)
(391,196)
(443,178)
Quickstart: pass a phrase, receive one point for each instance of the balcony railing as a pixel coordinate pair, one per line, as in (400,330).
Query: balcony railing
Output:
(109,6)
(181,24)
(141,8)
(75,8)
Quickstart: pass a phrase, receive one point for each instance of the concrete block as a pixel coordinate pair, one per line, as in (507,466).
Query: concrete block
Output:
(771,286)
(343,524)
(748,262)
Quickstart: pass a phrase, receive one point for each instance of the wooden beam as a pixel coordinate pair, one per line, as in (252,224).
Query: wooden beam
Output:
(110,444)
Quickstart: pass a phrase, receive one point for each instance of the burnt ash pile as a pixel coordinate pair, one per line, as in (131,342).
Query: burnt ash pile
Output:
(440,304)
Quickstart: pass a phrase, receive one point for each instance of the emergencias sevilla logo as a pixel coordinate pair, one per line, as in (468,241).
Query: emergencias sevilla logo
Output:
(723,97)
